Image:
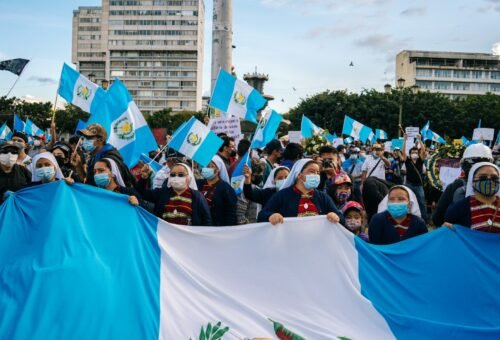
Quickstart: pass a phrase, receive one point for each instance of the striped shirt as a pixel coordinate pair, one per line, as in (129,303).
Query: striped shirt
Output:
(179,209)
(306,205)
(485,217)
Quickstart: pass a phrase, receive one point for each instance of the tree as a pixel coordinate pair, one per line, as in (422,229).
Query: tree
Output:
(166,118)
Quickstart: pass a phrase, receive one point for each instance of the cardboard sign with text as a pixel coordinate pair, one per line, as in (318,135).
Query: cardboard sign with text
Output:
(229,126)
(481,134)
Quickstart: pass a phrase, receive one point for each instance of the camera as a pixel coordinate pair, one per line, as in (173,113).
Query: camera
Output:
(327,164)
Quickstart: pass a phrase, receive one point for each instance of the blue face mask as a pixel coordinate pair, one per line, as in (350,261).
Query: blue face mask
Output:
(88,145)
(102,180)
(397,210)
(208,173)
(46,173)
(312,182)
(279,183)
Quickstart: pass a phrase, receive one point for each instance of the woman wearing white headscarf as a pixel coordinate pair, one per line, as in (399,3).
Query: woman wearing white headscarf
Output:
(220,196)
(298,196)
(398,218)
(479,209)
(178,201)
(274,182)
(44,169)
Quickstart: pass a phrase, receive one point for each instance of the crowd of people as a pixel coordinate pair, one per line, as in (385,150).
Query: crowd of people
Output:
(378,195)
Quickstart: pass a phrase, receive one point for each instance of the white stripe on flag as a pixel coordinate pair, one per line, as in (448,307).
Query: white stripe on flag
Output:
(356,130)
(83,93)
(198,130)
(123,129)
(239,99)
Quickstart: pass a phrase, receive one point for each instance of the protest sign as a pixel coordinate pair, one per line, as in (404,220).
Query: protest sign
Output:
(229,126)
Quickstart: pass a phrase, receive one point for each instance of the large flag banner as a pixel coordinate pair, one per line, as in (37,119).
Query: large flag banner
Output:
(308,129)
(15,66)
(5,132)
(236,98)
(196,141)
(19,125)
(356,130)
(80,125)
(122,273)
(237,178)
(79,91)
(266,130)
(127,129)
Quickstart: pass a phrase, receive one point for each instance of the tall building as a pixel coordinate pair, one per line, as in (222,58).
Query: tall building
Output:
(154,46)
(454,74)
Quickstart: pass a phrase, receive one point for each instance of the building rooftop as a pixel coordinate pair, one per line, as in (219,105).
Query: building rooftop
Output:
(457,55)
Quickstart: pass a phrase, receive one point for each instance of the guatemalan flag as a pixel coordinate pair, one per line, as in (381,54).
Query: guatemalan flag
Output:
(236,98)
(118,272)
(80,126)
(237,178)
(79,91)
(355,129)
(381,134)
(308,129)
(266,130)
(19,125)
(425,129)
(196,141)
(434,137)
(32,130)
(348,140)
(5,132)
(127,129)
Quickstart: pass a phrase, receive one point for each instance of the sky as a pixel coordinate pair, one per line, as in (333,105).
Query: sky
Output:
(305,46)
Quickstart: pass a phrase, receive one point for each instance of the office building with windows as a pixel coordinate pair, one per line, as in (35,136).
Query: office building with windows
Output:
(454,74)
(154,46)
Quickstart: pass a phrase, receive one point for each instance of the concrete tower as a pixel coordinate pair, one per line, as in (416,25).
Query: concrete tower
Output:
(222,38)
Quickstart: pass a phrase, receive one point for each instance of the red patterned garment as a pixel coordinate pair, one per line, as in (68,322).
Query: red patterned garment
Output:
(208,191)
(306,205)
(179,208)
(485,217)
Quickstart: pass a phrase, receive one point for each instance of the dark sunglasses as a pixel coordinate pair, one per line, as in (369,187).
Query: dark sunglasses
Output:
(177,175)
(494,178)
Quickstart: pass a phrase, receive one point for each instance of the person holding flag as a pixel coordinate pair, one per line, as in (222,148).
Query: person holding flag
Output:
(274,153)
(12,175)
(298,197)
(273,184)
(219,194)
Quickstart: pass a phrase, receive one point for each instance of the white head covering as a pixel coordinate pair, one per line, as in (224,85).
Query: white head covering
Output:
(470,190)
(223,175)
(294,173)
(270,179)
(414,208)
(51,158)
(192,181)
(115,172)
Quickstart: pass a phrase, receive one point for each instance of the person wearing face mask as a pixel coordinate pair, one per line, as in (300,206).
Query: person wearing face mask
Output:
(330,166)
(415,172)
(375,164)
(38,146)
(219,194)
(353,167)
(395,173)
(479,209)
(62,153)
(274,152)
(21,139)
(298,197)
(355,219)
(398,218)
(178,201)
(12,175)
(227,151)
(46,170)
(94,143)
(341,190)
(273,184)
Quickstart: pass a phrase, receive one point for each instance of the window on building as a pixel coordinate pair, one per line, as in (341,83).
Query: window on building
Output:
(424,72)
(442,85)
(442,73)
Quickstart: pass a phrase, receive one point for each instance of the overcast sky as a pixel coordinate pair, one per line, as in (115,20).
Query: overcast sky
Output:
(302,44)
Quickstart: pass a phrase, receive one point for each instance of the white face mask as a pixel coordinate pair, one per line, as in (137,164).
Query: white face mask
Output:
(37,143)
(8,159)
(414,156)
(178,183)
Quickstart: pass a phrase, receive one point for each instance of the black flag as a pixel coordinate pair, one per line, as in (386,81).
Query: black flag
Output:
(15,66)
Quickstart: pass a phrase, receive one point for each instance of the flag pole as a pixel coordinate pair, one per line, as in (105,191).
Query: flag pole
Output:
(55,101)
(19,76)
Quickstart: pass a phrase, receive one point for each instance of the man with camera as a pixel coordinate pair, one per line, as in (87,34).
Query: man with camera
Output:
(330,166)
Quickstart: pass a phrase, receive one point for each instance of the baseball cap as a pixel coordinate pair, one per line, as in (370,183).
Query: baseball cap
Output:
(94,130)
(352,205)
(7,147)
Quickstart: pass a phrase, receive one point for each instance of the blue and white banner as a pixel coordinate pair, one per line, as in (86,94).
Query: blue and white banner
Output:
(19,125)
(372,137)
(356,130)
(154,165)
(425,129)
(122,273)
(196,141)
(79,91)
(237,178)
(127,129)
(381,134)
(348,140)
(5,132)
(434,137)
(266,130)
(32,130)
(236,98)
(308,129)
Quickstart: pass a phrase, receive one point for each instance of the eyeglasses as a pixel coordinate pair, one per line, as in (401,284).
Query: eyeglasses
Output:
(494,178)
(180,174)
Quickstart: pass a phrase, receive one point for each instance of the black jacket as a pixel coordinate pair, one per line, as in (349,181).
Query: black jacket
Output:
(374,191)
(382,231)
(445,201)
(223,211)
(18,178)
(258,195)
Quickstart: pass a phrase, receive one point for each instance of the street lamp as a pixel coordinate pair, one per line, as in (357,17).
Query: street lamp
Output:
(387,88)
(415,89)
(91,77)
(401,84)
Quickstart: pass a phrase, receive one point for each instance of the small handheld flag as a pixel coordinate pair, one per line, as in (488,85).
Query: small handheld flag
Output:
(237,178)
(355,129)
(381,134)
(308,128)
(236,98)
(266,130)
(5,132)
(15,66)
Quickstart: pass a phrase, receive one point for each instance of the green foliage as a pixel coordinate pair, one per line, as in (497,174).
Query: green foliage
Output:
(213,333)
(170,120)
(378,110)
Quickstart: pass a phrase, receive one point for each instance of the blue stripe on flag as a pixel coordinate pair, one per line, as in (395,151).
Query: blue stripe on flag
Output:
(69,76)
(223,91)
(181,134)
(206,152)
